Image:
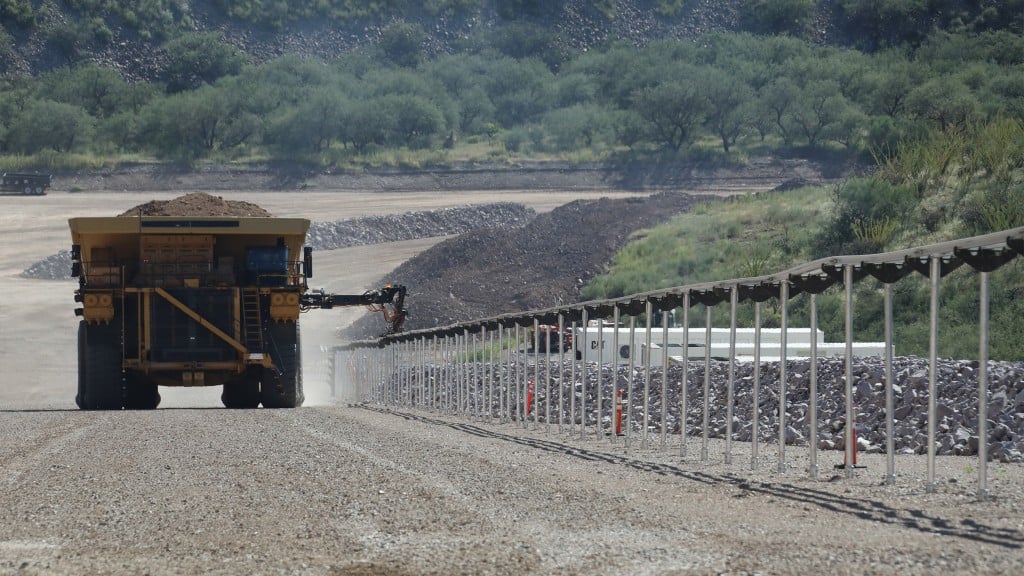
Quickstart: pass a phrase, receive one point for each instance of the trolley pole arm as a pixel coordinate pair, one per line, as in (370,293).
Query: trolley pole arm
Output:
(390,300)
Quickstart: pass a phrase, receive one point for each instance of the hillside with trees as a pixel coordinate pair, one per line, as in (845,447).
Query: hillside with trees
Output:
(923,99)
(456,79)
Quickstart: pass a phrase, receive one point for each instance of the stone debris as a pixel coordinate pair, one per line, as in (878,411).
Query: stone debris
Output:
(956,406)
(415,225)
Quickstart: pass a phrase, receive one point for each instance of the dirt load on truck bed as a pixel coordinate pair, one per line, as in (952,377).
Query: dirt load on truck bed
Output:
(197,204)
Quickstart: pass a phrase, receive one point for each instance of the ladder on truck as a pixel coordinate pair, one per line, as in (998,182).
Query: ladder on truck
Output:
(252,327)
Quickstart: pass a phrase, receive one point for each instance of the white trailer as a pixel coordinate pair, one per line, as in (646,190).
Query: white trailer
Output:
(798,344)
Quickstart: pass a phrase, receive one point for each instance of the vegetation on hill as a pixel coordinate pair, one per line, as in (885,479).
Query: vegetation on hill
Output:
(514,89)
(930,93)
(966,183)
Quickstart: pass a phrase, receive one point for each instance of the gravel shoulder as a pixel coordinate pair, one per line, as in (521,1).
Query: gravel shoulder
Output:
(354,490)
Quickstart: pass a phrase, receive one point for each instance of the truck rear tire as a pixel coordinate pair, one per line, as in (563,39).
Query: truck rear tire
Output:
(243,392)
(141,393)
(100,367)
(281,386)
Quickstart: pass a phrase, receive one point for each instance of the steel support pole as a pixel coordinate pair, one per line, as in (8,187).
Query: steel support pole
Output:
(473,377)
(890,438)
(439,375)
(547,380)
(445,377)
(516,378)
(407,371)
(783,356)
(812,392)
(933,369)
(616,317)
(755,425)
(399,375)
(524,390)
(561,371)
(851,416)
(407,360)
(410,359)
(648,312)
(731,380)
(684,378)
(464,353)
(630,383)
(583,378)
(491,366)
(600,378)
(419,398)
(452,379)
(572,376)
(707,385)
(664,378)
(502,370)
(983,304)
(536,373)
(456,369)
(462,358)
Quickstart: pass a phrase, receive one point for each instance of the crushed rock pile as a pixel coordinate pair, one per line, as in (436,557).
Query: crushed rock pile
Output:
(415,225)
(957,410)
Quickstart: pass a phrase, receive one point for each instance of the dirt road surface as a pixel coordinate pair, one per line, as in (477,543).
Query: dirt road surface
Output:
(337,489)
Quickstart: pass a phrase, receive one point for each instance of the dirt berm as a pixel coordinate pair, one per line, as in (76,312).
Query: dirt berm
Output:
(755,174)
(542,264)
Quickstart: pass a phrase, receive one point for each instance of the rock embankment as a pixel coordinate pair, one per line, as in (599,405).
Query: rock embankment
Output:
(544,263)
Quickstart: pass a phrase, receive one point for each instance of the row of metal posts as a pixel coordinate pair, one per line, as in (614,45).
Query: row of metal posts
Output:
(402,374)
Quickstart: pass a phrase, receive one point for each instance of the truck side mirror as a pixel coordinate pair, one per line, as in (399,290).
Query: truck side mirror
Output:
(307,261)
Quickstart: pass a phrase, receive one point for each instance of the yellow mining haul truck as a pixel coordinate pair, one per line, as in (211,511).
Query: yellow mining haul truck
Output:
(187,301)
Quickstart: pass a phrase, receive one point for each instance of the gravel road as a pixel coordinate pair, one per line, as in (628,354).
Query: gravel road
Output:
(354,490)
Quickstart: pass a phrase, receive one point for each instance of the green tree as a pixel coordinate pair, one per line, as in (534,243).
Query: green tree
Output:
(521,40)
(45,124)
(184,126)
(878,23)
(577,126)
(791,17)
(727,104)
(312,126)
(673,111)
(777,101)
(99,90)
(945,101)
(17,11)
(199,58)
(519,90)
(415,120)
(119,131)
(818,110)
(402,43)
